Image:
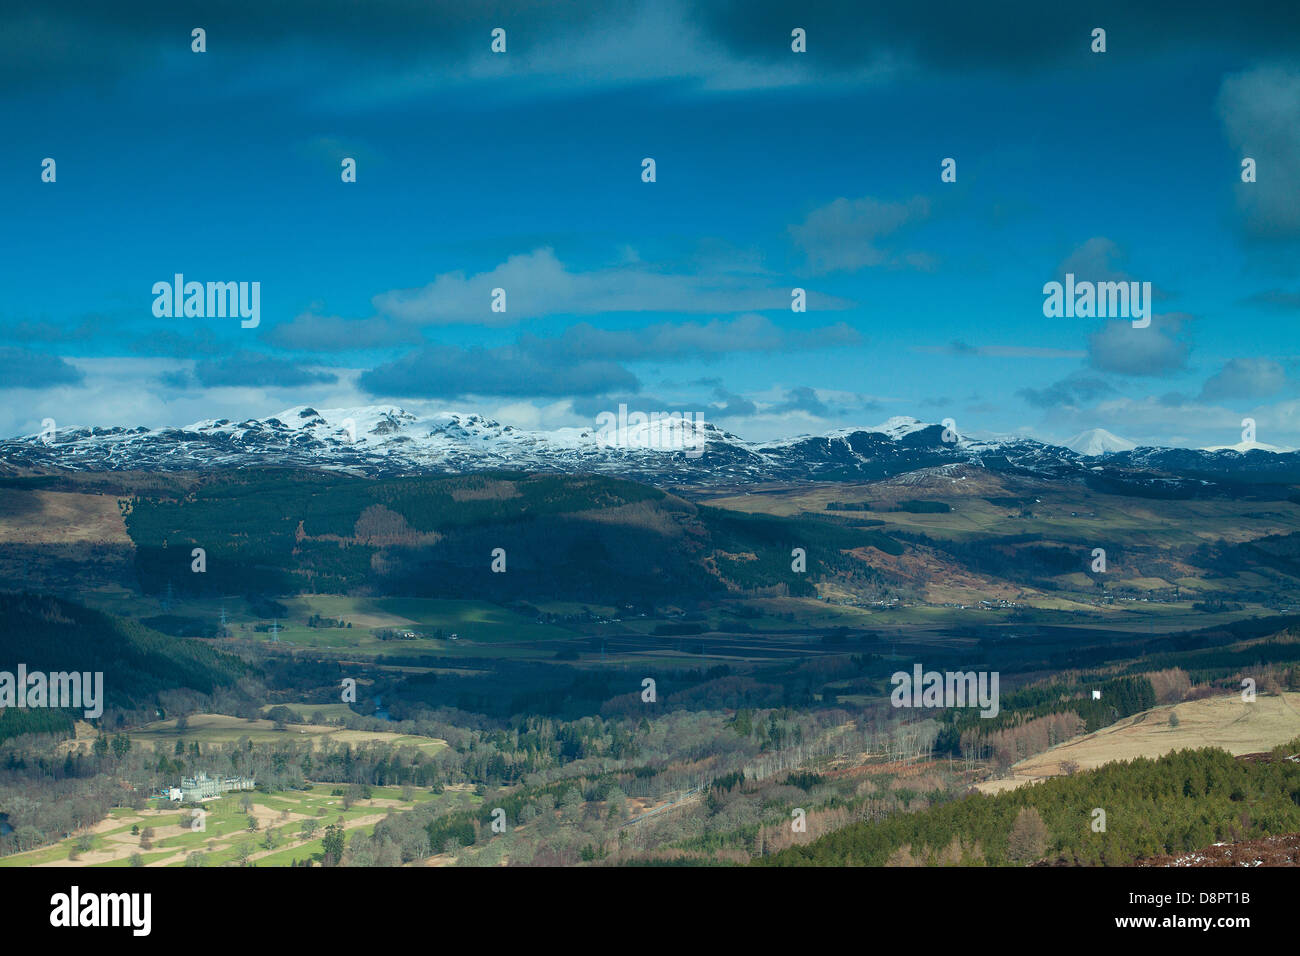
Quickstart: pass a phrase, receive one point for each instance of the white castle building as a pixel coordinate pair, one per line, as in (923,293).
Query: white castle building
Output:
(203,787)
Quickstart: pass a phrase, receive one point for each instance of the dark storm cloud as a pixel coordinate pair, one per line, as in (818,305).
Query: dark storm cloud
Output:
(247,369)
(44,44)
(331,333)
(83,329)
(802,399)
(177,344)
(1011,36)
(586,360)
(730,405)
(87,40)
(1069,392)
(24,369)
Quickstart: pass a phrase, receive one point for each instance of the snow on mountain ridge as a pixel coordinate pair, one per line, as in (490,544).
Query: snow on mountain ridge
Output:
(1098,441)
(378,422)
(1245,446)
(330,423)
(387,440)
(897,427)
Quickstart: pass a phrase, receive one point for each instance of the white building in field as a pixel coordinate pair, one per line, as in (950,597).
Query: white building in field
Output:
(203,787)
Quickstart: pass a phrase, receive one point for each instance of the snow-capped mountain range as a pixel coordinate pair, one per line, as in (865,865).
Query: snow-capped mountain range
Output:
(385,440)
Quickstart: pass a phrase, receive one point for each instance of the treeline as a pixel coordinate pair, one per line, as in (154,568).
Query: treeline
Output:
(413,835)
(1178,803)
(518,688)
(53,636)
(1216,662)
(317,620)
(917,506)
(1032,736)
(14,721)
(586,809)
(1021,712)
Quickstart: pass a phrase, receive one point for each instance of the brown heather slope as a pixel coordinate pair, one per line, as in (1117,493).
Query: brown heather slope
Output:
(1226,722)
(57,517)
(1283,850)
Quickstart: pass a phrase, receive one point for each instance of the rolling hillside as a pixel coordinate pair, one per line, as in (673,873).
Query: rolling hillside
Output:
(566,538)
(51,635)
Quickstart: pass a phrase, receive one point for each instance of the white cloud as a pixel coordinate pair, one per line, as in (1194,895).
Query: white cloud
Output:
(538,284)
(1152,351)
(1246,378)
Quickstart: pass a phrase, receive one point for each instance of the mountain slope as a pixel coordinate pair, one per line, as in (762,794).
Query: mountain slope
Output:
(560,537)
(51,635)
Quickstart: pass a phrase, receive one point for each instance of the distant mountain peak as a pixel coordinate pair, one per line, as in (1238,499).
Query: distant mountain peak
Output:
(1098,441)
(898,426)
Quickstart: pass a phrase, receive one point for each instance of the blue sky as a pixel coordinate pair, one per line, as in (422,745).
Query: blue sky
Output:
(775,170)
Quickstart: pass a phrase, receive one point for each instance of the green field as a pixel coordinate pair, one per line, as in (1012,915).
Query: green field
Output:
(226,828)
